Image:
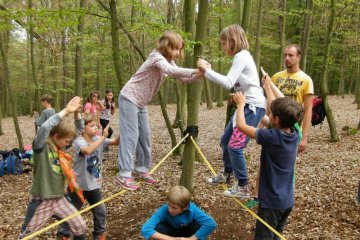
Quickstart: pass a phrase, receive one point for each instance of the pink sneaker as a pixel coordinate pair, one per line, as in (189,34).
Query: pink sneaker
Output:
(127,183)
(146,177)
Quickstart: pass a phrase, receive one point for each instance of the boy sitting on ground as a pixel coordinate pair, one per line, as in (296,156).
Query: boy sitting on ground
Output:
(179,218)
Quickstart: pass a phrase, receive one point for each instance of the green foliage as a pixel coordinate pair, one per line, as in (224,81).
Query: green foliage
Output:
(145,21)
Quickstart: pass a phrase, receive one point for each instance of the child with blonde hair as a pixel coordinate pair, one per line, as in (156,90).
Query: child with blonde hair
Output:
(88,158)
(52,167)
(135,149)
(179,218)
(243,77)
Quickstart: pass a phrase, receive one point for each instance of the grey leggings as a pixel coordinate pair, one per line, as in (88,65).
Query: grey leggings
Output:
(134,147)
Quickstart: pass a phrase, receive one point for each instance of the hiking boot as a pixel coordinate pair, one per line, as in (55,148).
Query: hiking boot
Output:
(252,203)
(237,191)
(127,183)
(145,177)
(222,177)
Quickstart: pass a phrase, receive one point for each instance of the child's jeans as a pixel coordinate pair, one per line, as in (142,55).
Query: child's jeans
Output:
(169,230)
(40,210)
(99,212)
(233,143)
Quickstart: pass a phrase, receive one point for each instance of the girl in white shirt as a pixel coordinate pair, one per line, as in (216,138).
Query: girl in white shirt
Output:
(243,77)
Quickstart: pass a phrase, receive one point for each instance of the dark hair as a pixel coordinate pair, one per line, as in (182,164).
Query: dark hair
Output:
(88,99)
(107,103)
(297,47)
(288,111)
(47,98)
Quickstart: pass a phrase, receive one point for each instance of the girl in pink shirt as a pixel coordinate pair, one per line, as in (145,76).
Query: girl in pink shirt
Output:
(135,150)
(94,106)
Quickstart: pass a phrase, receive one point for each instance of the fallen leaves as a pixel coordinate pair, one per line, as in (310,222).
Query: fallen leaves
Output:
(327,176)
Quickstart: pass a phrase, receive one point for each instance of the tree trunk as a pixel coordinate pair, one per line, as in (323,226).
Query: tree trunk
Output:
(246,15)
(258,35)
(4,41)
(357,86)
(65,69)
(115,43)
(306,34)
(324,80)
(282,25)
(193,101)
(207,89)
(238,10)
(78,50)
(220,90)
(99,84)
(32,59)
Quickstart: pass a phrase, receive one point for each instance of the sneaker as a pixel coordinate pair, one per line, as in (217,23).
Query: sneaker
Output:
(221,178)
(252,203)
(237,191)
(145,177)
(127,183)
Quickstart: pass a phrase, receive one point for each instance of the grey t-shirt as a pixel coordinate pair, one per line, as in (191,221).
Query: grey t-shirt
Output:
(88,168)
(45,115)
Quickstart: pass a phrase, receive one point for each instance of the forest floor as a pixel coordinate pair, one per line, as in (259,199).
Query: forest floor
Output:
(327,177)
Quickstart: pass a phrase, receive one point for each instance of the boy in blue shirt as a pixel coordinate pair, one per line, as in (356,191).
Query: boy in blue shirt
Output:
(278,155)
(179,217)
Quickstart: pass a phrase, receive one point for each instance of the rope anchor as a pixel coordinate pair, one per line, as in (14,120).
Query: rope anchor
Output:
(192,131)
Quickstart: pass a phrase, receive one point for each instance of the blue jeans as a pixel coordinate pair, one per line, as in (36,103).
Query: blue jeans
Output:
(233,143)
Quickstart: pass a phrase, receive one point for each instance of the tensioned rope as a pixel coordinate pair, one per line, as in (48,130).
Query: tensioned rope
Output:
(102,201)
(235,199)
(151,171)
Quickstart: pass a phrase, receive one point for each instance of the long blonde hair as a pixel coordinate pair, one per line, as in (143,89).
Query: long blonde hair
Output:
(168,41)
(235,38)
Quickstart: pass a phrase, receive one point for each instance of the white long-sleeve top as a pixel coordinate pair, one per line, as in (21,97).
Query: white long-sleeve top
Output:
(146,82)
(243,77)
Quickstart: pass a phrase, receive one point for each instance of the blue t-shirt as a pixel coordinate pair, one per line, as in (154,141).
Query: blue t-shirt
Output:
(278,155)
(193,213)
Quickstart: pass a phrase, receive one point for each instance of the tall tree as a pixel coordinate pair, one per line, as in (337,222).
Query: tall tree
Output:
(193,102)
(306,34)
(115,42)
(324,80)
(220,90)
(4,47)
(258,35)
(79,48)
(246,15)
(282,26)
(32,58)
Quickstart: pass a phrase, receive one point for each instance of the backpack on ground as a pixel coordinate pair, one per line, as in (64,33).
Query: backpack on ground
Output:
(318,111)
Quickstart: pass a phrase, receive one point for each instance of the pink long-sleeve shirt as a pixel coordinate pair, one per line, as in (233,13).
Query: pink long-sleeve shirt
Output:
(146,82)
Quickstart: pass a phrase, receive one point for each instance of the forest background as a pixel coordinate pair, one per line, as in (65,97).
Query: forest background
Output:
(66,48)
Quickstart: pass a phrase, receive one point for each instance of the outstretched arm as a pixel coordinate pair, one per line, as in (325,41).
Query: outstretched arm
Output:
(239,100)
